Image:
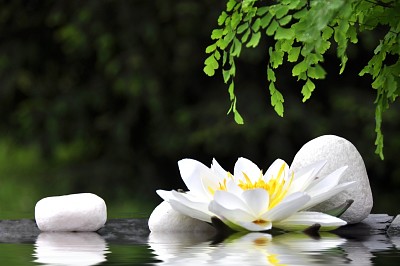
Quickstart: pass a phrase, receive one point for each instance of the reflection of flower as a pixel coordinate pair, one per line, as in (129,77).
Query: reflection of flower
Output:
(251,200)
(66,248)
(248,249)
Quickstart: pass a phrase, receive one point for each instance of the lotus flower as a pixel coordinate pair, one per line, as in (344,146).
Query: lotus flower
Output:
(253,201)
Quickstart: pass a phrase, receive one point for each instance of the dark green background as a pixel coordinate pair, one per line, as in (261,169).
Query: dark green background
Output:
(107,96)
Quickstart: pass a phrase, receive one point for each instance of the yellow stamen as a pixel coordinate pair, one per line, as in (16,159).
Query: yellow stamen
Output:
(277,186)
(260,222)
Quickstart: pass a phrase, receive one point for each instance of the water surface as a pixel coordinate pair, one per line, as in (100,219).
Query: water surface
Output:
(203,249)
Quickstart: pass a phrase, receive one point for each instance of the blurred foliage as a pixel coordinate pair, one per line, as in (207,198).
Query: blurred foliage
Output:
(302,32)
(107,96)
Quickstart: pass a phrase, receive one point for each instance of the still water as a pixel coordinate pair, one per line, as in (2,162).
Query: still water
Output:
(200,249)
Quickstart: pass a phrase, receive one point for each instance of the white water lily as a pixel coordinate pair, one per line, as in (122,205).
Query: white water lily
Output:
(251,200)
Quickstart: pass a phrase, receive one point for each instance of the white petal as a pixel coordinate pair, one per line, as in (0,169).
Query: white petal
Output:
(274,169)
(165,195)
(196,175)
(315,167)
(306,176)
(257,200)
(302,220)
(218,170)
(246,166)
(300,183)
(232,187)
(316,199)
(229,200)
(287,207)
(231,215)
(190,211)
(251,226)
(188,198)
(327,183)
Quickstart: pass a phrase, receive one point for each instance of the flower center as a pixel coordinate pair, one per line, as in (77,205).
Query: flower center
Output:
(260,222)
(277,186)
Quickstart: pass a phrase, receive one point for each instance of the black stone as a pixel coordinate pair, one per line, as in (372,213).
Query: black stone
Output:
(136,231)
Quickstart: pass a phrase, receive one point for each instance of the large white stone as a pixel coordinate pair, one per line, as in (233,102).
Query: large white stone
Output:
(75,212)
(165,219)
(339,152)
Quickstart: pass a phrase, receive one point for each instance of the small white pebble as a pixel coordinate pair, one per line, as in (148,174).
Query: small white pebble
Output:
(75,212)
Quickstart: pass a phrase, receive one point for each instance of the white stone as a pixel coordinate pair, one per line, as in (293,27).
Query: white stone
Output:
(339,152)
(75,212)
(165,219)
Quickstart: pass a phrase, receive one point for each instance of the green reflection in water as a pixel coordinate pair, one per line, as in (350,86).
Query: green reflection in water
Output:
(16,254)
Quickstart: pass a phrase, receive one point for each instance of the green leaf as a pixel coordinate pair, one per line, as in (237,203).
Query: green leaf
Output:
(275,57)
(224,57)
(307,89)
(247,4)
(272,28)
(254,40)
(322,46)
(300,14)
(286,45)
(344,59)
(217,34)
(226,74)
(299,68)
(352,34)
(265,20)
(211,48)
(283,33)
(327,33)
(281,10)
(256,25)
(230,5)
(246,36)
(222,18)
(237,45)
(238,118)
(378,124)
(211,65)
(209,70)
(285,20)
(242,28)
(231,91)
(211,61)
(271,75)
(293,54)
(316,72)
(339,210)
(262,10)
(276,99)
(235,20)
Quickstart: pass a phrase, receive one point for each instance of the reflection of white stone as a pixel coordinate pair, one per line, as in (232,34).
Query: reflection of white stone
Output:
(62,248)
(339,152)
(76,212)
(166,219)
